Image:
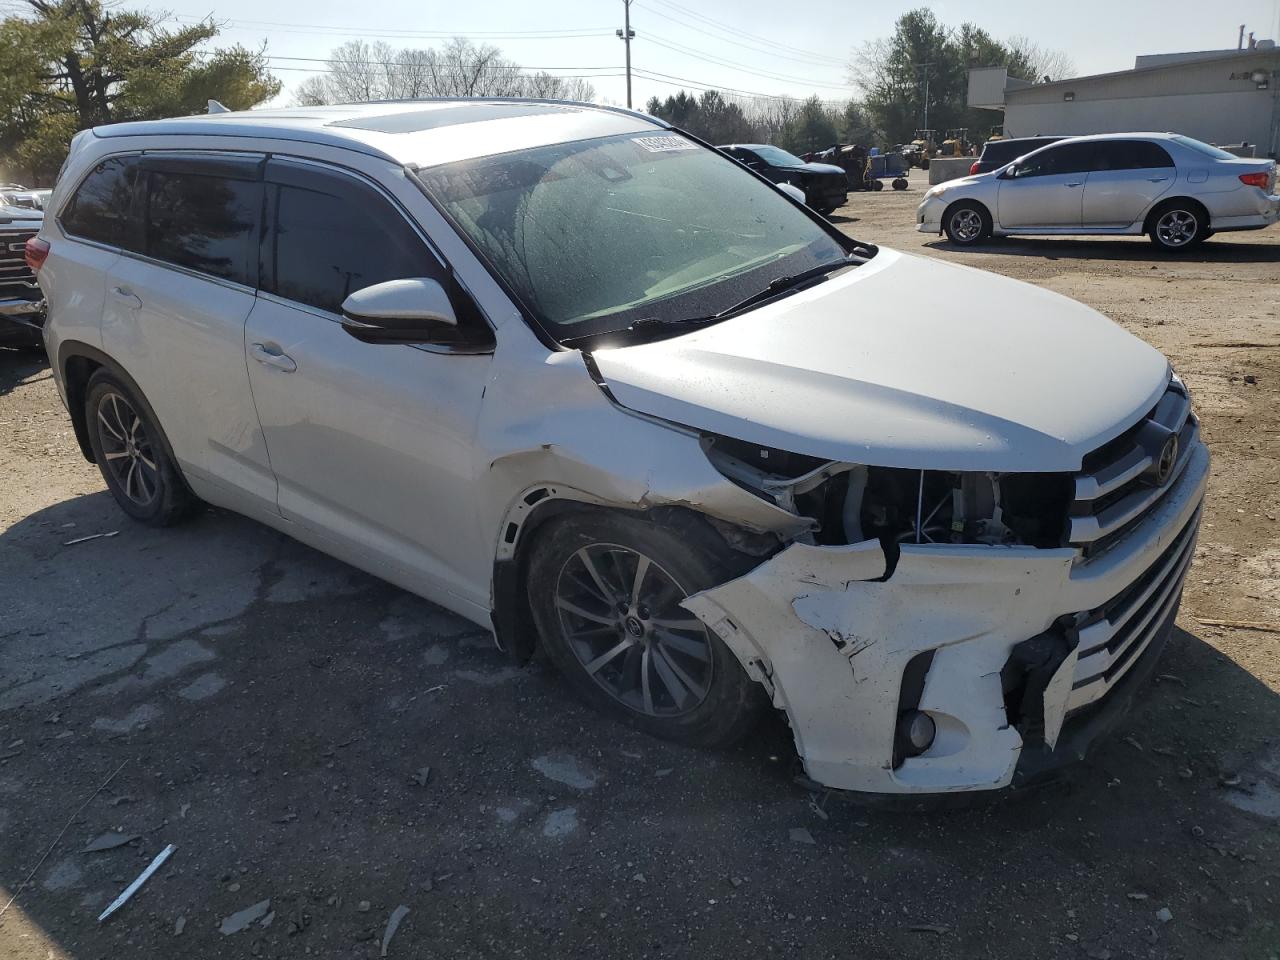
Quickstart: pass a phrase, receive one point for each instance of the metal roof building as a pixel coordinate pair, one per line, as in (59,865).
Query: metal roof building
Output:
(1219,96)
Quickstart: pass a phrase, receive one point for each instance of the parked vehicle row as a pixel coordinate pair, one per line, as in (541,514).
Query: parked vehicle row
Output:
(599,389)
(1177,190)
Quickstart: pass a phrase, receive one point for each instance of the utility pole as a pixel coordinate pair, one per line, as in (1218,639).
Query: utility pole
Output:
(625,35)
(924,67)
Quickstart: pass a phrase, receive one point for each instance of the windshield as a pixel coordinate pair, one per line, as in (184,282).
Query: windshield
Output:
(596,234)
(777,157)
(1204,148)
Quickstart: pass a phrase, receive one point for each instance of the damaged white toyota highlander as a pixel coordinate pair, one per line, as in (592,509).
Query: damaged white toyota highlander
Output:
(588,382)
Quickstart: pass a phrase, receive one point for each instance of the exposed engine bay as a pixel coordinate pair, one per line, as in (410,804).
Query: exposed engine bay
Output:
(850,503)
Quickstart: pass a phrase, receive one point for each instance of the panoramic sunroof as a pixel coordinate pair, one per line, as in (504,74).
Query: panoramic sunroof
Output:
(449,116)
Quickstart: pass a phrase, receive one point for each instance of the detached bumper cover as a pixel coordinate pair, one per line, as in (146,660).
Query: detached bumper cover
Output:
(829,637)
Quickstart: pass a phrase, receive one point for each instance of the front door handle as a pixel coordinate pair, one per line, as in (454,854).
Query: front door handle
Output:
(128,297)
(1076,183)
(267,358)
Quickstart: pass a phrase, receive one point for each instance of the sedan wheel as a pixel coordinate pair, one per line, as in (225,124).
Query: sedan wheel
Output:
(1176,228)
(620,614)
(966,223)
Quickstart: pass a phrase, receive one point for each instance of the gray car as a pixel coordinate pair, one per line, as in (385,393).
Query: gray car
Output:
(1177,190)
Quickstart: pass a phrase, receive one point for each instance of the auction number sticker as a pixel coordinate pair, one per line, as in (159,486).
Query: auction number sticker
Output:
(666,143)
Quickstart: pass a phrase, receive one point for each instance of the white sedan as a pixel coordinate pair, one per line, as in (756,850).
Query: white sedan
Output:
(1177,190)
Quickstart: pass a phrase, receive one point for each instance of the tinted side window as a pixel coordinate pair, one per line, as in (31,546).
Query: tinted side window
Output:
(205,223)
(335,236)
(1152,154)
(1069,158)
(100,209)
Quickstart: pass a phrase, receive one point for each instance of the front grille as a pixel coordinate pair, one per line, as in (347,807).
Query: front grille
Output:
(1113,636)
(16,278)
(1121,480)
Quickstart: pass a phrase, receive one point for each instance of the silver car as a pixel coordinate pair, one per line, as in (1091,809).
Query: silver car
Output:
(1177,190)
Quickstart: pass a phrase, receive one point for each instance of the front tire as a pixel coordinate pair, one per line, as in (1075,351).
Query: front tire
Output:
(1178,225)
(966,223)
(132,454)
(605,590)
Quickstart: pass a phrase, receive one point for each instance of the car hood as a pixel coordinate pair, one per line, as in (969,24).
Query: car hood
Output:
(903,362)
(819,168)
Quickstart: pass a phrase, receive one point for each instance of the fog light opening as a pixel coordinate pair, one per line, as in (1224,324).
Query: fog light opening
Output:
(916,731)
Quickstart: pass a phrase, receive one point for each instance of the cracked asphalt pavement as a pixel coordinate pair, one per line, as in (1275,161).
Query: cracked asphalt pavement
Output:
(309,736)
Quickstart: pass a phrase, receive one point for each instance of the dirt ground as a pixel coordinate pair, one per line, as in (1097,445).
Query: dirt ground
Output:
(307,735)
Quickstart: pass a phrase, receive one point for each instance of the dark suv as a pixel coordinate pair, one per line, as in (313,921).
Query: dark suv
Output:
(997,153)
(825,185)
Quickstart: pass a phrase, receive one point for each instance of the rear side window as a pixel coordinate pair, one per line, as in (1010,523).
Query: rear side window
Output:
(1129,155)
(100,208)
(334,236)
(203,222)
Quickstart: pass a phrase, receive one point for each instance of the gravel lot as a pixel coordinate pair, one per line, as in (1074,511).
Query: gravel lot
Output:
(276,713)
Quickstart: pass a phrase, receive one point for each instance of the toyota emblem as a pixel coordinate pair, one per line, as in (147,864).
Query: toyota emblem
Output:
(1165,463)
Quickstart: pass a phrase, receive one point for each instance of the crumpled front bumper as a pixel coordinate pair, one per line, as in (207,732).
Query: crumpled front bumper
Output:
(929,215)
(830,638)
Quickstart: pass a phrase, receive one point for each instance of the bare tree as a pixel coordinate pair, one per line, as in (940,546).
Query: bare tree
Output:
(1041,62)
(360,72)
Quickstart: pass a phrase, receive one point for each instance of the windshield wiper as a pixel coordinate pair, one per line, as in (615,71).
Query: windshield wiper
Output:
(793,281)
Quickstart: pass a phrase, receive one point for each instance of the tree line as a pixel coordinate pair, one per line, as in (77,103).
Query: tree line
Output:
(922,64)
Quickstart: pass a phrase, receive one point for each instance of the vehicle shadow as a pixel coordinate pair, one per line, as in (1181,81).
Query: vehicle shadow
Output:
(20,366)
(1117,248)
(303,732)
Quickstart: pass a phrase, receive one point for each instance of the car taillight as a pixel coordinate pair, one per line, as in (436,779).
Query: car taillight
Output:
(973,168)
(1255,179)
(36,252)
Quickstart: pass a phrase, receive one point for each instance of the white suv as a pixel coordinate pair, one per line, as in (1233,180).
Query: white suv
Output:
(591,384)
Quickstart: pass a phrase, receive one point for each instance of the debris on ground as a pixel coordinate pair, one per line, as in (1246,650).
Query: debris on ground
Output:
(133,888)
(393,923)
(1164,914)
(92,536)
(242,919)
(179,925)
(1259,625)
(801,835)
(109,841)
(422,776)
(1137,896)
(937,928)
(364,906)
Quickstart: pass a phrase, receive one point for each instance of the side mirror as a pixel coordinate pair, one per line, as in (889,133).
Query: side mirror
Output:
(1009,172)
(416,310)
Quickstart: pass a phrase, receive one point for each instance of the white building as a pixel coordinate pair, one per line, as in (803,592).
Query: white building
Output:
(1220,96)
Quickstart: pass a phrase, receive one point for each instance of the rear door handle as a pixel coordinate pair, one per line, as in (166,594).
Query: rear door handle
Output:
(1156,179)
(279,361)
(127,297)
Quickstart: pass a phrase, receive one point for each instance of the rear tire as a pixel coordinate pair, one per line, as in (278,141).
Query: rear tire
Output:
(604,591)
(133,455)
(966,223)
(900,183)
(1178,225)
(877,184)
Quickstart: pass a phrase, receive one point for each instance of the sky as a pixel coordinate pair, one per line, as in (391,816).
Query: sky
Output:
(743,45)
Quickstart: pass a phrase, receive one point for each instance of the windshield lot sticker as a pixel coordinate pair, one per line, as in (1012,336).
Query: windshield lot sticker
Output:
(665,144)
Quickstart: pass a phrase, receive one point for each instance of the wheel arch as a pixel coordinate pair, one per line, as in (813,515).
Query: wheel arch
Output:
(1148,222)
(539,507)
(78,362)
(974,201)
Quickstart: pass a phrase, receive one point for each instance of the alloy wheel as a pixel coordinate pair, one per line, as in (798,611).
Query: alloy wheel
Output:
(126,447)
(621,616)
(1177,228)
(966,225)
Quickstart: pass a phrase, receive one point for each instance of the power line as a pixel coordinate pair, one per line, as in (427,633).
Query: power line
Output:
(387,32)
(729,28)
(734,65)
(807,58)
(668,79)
